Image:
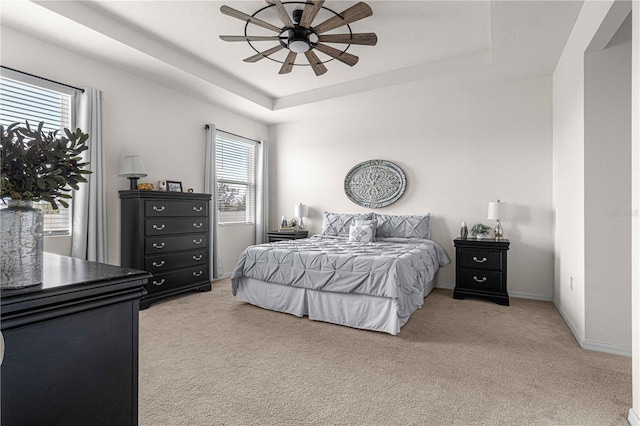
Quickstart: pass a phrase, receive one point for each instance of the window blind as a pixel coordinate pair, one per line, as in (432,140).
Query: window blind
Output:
(235,179)
(21,101)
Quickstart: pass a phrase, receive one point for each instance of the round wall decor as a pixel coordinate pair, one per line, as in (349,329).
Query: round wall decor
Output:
(375,183)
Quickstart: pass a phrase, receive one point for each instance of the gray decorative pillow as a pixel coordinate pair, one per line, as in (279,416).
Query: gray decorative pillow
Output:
(372,222)
(339,223)
(361,233)
(408,226)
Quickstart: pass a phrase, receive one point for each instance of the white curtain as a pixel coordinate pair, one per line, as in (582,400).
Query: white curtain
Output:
(262,192)
(89,239)
(210,187)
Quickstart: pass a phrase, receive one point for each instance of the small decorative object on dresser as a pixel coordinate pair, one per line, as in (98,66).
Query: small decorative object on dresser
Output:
(480,230)
(481,269)
(464,231)
(167,234)
(173,186)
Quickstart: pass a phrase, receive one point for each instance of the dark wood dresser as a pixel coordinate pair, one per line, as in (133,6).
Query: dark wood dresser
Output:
(167,234)
(71,346)
(481,269)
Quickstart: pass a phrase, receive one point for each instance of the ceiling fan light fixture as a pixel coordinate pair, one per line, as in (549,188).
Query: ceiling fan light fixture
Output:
(298,46)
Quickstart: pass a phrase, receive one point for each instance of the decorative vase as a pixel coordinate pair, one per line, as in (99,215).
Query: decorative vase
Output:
(464,231)
(479,236)
(22,244)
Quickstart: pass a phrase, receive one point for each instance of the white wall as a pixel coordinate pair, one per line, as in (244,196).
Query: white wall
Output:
(460,150)
(140,117)
(608,192)
(572,178)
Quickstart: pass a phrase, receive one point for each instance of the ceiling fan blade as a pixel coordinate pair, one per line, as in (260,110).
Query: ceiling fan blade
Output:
(316,64)
(354,13)
(287,66)
(367,39)
(262,55)
(343,57)
(249,38)
(309,13)
(244,17)
(282,12)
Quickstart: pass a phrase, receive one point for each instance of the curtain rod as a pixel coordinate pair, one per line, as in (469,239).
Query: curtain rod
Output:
(206,126)
(42,78)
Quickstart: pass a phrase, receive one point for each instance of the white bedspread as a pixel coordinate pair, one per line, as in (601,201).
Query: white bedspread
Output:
(392,268)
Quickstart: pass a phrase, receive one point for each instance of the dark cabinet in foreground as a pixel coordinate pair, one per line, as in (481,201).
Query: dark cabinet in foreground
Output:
(71,346)
(167,234)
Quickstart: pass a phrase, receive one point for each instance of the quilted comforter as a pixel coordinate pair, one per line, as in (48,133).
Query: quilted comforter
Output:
(396,268)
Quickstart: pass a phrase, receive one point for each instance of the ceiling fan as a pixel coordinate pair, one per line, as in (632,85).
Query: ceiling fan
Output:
(298,35)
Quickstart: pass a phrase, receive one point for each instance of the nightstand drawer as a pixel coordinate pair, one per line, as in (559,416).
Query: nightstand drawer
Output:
(479,259)
(480,279)
(166,226)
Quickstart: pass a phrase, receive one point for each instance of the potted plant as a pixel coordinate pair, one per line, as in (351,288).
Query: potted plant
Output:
(480,230)
(36,166)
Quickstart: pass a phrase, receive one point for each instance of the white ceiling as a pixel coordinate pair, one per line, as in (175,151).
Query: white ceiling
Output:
(177,43)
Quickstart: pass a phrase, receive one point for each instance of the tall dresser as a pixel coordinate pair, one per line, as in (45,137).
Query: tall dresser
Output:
(167,234)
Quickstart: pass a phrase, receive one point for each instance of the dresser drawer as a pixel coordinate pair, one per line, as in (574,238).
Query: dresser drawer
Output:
(162,282)
(480,279)
(166,208)
(166,262)
(159,245)
(166,226)
(479,259)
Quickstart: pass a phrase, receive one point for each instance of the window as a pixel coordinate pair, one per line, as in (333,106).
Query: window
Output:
(26,98)
(235,179)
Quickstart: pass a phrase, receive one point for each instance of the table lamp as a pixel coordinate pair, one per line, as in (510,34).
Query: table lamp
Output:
(301,211)
(496,211)
(132,168)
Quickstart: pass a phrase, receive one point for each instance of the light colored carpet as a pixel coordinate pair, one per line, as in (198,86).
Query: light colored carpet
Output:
(208,359)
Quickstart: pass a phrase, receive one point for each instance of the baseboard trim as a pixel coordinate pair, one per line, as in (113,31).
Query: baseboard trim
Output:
(607,348)
(590,344)
(530,296)
(633,418)
(519,295)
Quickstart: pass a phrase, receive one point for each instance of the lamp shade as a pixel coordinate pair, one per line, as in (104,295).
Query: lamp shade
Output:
(132,167)
(496,210)
(301,210)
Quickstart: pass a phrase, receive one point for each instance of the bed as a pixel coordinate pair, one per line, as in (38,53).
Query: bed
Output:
(367,271)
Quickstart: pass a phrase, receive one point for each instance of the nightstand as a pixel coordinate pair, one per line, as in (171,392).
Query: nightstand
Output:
(293,234)
(481,269)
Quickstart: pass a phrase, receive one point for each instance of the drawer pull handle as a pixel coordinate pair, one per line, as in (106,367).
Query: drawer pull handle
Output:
(196,258)
(158,283)
(158,209)
(475,259)
(158,246)
(197,209)
(197,225)
(197,241)
(158,228)
(197,274)
(157,265)
(479,281)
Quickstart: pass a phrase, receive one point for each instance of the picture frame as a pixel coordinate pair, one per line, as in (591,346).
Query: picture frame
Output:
(174,186)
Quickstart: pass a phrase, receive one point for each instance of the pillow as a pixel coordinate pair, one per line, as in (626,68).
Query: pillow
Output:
(372,222)
(361,233)
(339,223)
(408,226)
